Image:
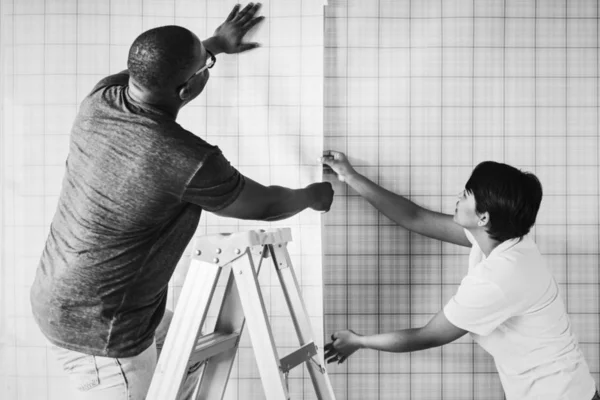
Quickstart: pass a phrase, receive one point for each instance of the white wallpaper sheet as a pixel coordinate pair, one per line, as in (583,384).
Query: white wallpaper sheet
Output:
(418,92)
(263,109)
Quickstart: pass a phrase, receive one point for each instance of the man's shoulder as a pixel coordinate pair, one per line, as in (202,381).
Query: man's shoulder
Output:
(188,141)
(120,79)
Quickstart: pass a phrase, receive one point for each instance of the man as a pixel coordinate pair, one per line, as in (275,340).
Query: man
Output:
(509,300)
(135,185)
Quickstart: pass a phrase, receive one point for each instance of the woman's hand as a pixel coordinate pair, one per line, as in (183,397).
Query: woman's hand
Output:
(339,163)
(343,345)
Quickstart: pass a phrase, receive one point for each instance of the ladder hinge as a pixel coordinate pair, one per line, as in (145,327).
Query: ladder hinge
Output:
(297,357)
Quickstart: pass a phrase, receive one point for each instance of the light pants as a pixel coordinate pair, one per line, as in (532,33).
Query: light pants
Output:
(128,378)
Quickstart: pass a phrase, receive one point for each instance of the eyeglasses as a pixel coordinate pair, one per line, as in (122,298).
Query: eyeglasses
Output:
(209,63)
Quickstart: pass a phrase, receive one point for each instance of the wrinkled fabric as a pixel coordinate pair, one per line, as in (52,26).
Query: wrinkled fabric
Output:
(134,187)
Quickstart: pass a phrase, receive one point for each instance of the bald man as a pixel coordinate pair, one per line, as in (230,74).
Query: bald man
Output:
(135,185)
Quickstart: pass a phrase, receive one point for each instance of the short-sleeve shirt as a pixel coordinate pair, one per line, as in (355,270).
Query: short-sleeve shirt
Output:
(134,187)
(511,304)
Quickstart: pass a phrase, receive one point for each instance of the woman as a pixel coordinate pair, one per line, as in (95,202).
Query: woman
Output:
(509,301)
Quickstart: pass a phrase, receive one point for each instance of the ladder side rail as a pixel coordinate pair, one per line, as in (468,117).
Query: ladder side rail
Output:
(292,293)
(212,384)
(189,316)
(301,320)
(259,329)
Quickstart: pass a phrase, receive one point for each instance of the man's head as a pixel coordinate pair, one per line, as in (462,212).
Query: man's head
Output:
(501,199)
(163,63)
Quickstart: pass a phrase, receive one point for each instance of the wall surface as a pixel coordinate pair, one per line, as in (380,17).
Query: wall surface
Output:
(417,93)
(263,109)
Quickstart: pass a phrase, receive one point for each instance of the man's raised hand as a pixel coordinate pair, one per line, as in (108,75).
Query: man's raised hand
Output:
(230,34)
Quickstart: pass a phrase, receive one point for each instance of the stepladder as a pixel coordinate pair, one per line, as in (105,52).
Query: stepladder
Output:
(241,307)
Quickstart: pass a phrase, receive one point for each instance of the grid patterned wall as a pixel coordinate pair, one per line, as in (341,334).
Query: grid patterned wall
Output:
(416,94)
(263,109)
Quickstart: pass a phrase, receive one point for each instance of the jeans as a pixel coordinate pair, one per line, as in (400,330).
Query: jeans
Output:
(128,378)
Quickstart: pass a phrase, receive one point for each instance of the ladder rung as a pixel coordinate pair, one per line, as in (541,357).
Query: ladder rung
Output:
(297,357)
(213,344)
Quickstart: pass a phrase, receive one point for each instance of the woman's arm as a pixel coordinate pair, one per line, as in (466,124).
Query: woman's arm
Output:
(397,208)
(439,331)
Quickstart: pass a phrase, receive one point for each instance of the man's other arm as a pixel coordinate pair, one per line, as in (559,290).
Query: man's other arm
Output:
(273,203)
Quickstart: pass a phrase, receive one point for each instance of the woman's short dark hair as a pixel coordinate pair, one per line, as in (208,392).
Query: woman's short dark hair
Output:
(510,196)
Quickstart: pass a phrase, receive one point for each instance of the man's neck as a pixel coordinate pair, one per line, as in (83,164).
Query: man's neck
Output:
(157,102)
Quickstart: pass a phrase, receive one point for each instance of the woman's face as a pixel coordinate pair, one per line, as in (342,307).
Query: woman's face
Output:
(465,214)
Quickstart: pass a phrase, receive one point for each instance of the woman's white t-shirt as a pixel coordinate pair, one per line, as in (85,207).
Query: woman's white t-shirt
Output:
(510,303)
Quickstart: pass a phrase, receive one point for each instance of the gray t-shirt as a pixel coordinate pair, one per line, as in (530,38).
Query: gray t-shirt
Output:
(135,185)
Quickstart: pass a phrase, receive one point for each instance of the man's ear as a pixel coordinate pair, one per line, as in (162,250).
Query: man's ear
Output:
(184,93)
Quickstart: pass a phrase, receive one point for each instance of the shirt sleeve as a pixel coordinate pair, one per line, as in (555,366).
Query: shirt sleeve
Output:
(215,185)
(479,306)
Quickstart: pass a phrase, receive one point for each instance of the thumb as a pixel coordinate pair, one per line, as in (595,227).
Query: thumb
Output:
(247,46)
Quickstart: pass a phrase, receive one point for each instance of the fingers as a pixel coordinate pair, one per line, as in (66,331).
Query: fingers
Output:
(336,358)
(331,353)
(254,10)
(329,347)
(233,13)
(250,24)
(326,159)
(247,13)
(244,11)
(333,155)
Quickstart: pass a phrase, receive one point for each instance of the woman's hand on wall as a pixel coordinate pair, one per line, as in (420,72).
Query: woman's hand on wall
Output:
(339,163)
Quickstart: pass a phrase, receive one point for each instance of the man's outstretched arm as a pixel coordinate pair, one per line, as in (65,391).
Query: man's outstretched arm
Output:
(273,203)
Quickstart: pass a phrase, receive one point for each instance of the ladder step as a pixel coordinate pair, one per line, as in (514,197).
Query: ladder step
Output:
(212,344)
(299,356)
